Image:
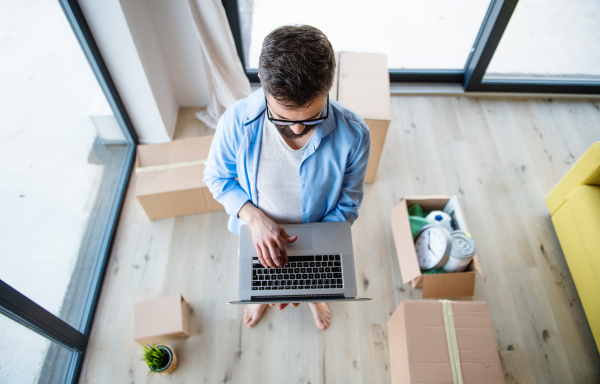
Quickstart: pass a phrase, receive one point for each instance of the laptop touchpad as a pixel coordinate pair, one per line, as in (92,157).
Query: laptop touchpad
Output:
(304,241)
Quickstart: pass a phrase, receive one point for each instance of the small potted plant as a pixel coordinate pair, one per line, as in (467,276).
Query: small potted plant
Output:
(160,359)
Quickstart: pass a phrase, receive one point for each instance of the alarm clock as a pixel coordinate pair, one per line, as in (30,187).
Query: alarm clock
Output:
(432,244)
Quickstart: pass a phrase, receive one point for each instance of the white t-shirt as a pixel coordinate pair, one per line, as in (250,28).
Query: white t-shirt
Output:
(278,177)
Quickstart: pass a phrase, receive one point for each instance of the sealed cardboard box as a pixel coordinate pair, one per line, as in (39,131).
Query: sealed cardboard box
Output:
(363,85)
(169,178)
(443,342)
(436,285)
(159,320)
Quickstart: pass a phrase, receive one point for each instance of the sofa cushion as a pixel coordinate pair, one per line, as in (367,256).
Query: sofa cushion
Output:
(577,225)
(585,171)
(585,205)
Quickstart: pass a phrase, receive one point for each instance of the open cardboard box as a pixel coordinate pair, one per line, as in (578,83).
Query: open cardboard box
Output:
(427,343)
(362,83)
(158,320)
(441,285)
(169,180)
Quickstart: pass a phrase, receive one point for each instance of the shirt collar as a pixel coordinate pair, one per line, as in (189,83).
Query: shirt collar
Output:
(256,106)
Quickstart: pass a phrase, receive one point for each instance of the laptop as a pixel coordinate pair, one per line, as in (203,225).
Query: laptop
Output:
(320,268)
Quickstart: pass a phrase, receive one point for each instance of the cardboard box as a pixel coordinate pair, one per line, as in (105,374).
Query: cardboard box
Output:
(363,85)
(438,285)
(333,92)
(159,320)
(169,178)
(427,342)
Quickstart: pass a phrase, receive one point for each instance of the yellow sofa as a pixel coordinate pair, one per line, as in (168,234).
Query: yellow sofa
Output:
(574,204)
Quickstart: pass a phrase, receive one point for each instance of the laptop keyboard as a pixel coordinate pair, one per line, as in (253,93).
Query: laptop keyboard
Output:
(302,272)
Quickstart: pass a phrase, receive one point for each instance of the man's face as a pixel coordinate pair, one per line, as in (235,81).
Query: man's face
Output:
(312,110)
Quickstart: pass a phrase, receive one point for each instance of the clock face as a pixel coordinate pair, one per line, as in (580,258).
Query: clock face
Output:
(433,246)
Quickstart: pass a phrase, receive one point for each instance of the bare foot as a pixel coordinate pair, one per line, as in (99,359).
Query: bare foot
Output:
(253,313)
(321,314)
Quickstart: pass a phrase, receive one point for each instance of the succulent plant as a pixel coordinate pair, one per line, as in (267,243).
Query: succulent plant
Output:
(156,357)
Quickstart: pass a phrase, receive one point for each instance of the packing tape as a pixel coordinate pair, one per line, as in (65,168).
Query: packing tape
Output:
(183,164)
(452,342)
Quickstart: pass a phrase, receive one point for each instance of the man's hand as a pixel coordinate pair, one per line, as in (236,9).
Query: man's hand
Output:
(281,306)
(268,237)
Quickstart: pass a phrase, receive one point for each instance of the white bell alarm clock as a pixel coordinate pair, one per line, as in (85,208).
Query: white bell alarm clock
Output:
(432,244)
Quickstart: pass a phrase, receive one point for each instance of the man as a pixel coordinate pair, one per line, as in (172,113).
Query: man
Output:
(288,154)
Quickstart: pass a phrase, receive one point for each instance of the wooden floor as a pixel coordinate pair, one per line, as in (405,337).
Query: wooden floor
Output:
(500,157)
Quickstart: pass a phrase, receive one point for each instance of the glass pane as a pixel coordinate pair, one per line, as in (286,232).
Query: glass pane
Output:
(429,34)
(27,357)
(62,154)
(550,40)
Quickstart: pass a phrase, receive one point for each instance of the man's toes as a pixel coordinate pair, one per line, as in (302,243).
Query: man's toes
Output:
(248,319)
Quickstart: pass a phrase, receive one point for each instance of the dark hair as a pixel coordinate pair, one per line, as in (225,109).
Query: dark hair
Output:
(296,65)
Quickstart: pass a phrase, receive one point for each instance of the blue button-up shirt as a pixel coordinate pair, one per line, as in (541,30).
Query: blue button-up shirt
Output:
(332,171)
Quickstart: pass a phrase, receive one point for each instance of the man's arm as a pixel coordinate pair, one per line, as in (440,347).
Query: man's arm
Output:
(352,190)
(220,171)
(220,176)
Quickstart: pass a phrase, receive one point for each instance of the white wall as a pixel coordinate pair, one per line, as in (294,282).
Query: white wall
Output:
(183,56)
(114,40)
(150,50)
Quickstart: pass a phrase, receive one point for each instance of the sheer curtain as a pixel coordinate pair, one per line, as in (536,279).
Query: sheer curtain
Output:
(227,81)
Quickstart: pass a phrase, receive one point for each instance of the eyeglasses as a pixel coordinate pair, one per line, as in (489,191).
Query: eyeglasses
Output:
(302,122)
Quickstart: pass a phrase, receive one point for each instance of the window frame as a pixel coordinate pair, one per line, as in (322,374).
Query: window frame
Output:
(471,78)
(25,311)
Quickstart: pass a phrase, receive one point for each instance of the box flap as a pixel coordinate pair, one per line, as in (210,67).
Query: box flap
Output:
(172,153)
(364,84)
(446,285)
(476,265)
(378,130)
(427,347)
(405,249)
(194,148)
(428,203)
(479,360)
(167,180)
(428,357)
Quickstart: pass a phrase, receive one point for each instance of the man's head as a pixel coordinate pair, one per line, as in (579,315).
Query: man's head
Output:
(296,69)
(296,65)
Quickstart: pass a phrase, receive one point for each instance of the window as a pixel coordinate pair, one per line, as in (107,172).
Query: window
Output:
(548,48)
(434,34)
(67,151)
(553,40)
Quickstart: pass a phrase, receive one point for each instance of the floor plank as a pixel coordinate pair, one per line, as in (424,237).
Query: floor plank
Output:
(499,156)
